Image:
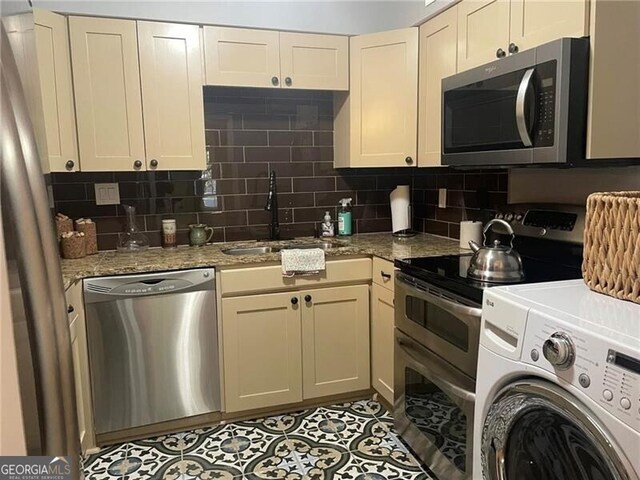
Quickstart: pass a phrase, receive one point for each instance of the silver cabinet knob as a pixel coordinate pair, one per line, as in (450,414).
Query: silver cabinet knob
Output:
(153,163)
(275,81)
(409,160)
(513,48)
(559,351)
(500,53)
(137,164)
(70,164)
(288,81)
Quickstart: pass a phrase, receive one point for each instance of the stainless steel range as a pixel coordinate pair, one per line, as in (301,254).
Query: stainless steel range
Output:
(437,319)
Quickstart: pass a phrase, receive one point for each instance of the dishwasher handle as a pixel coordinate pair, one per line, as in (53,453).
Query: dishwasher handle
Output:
(103,289)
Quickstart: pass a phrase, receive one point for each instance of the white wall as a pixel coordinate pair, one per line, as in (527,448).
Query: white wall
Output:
(326,16)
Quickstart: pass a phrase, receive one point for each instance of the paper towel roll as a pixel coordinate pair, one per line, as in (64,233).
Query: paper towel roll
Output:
(470,231)
(400,209)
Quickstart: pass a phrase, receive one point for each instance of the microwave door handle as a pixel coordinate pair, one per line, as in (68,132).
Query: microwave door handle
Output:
(521,98)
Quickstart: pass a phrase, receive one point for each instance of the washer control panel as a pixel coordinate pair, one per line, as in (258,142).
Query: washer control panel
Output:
(604,372)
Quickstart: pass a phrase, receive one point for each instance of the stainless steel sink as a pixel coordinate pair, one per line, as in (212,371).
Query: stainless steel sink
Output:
(251,250)
(321,245)
(268,249)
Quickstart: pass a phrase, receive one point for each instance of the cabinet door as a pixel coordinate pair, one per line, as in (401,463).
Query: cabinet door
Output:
(106,79)
(483,28)
(438,59)
(240,57)
(54,68)
(317,62)
(534,23)
(171,77)
(80,357)
(382,318)
(262,351)
(335,340)
(384,99)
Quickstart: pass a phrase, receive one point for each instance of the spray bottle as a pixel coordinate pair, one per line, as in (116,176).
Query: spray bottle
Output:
(344,217)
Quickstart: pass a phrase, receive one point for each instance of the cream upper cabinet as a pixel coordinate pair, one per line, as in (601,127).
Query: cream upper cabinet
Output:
(335,340)
(171,78)
(314,62)
(534,22)
(438,59)
(106,78)
(483,32)
(376,124)
(382,341)
(242,57)
(54,68)
(261,350)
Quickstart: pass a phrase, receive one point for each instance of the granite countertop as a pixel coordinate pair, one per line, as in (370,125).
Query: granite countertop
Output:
(382,245)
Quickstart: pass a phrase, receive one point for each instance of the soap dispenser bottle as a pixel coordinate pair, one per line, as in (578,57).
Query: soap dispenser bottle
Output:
(344,218)
(327,225)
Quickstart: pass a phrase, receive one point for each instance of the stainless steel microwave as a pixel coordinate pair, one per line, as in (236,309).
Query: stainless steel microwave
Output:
(530,108)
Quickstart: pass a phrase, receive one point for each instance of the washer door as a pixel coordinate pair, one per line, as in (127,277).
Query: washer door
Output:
(535,430)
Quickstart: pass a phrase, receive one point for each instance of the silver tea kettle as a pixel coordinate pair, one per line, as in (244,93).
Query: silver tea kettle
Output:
(495,263)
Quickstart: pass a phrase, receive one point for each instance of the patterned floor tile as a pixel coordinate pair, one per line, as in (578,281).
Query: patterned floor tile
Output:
(349,441)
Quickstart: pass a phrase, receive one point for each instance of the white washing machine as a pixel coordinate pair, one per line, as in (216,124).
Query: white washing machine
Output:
(558,385)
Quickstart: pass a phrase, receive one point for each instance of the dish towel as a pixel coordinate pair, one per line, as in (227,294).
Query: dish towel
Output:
(297,261)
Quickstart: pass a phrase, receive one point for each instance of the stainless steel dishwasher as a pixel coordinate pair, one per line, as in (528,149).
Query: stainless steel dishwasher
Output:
(153,347)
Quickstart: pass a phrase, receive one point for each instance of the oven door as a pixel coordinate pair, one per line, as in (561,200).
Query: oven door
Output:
(448,326)
(433,409)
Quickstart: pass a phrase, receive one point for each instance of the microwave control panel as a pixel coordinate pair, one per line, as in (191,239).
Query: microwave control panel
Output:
(545,104)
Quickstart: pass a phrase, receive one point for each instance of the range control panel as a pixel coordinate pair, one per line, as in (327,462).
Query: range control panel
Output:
(607,375)
(555,222)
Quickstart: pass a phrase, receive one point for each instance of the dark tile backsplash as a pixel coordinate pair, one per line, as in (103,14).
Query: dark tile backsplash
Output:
(250,132)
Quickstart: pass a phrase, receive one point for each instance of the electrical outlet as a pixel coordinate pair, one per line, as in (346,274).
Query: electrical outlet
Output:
(107,193)
(442,198)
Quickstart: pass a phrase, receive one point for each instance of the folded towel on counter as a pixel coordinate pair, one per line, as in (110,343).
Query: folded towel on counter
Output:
(297,261)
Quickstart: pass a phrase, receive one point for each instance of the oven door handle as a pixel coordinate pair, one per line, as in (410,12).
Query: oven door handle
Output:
(521,98)
(422,359)
(451,307)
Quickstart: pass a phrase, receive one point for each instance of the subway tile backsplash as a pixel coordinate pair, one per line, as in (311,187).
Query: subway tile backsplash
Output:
(252,131)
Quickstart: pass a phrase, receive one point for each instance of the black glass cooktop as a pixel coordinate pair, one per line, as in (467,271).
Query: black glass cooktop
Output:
(449,272)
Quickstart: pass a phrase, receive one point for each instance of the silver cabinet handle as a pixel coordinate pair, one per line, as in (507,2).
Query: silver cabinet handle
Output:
(275,81)
(288,82)
(383,274)
(500,53)
(521,98)
(513,48)
(70,164)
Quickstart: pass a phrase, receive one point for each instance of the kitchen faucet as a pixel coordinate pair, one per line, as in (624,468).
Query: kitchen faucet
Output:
(272,206)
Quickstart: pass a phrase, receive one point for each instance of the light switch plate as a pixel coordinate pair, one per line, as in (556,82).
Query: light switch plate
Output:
(442,198)
(107,194)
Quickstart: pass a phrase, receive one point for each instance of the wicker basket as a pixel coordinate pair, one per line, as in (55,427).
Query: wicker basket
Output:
(611,263)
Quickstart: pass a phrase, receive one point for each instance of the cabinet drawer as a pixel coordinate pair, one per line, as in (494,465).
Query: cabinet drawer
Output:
(383,272)
(269,278)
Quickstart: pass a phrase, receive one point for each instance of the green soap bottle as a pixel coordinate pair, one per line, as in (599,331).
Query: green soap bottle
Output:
(344,218)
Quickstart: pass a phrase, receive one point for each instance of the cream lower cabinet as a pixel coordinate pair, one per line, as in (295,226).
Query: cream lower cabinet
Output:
(262,351)
(376,122)
(284,348)
(438,59)
(382,320)
(78,333)
(335,340)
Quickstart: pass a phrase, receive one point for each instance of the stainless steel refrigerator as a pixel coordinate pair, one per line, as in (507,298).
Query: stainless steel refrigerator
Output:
(33,278)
